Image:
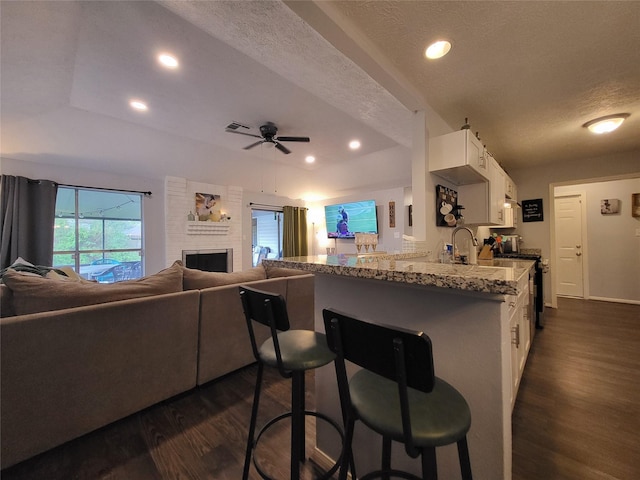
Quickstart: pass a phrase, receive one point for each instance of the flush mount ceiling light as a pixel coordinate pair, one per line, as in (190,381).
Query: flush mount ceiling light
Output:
(606,124)
(310,159)
(354,144)
(168,60)
(138,105)
(437,49)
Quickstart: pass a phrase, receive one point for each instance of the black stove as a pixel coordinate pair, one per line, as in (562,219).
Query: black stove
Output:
(524,256)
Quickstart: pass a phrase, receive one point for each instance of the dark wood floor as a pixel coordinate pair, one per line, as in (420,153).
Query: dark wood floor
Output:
(577,415)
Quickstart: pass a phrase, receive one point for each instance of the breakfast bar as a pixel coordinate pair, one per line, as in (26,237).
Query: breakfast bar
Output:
(470,312)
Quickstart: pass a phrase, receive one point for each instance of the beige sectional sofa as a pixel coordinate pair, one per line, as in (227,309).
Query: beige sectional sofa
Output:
(76,356)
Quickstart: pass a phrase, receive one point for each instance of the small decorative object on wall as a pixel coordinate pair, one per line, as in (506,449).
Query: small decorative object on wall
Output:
(532,210)
(635,204)
(609,206)
(446,205)
(392,214)
(205,203)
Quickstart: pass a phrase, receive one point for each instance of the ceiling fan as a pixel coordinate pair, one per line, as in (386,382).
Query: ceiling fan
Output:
(268,133)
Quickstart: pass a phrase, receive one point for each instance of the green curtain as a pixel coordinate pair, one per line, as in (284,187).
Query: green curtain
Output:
(294,237)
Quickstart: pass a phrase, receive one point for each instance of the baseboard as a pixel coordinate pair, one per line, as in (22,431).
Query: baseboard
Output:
(615,300)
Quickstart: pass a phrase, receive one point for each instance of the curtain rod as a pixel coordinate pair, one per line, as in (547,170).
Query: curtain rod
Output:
(147,194)
(271,206)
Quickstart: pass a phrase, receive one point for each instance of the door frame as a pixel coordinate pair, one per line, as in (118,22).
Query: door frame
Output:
(585,248)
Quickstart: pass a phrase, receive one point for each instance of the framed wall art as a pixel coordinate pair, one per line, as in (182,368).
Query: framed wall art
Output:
(205,205)
(609,206)
(532,210)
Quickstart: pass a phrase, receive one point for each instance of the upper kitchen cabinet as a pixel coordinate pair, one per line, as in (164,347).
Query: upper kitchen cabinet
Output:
(511,191)
(458,157)
(484,202)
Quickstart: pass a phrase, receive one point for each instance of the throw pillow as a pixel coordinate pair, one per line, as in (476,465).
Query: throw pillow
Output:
(38,294)
(197,279)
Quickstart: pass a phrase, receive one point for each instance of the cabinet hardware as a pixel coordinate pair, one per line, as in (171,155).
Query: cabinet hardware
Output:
(515,339)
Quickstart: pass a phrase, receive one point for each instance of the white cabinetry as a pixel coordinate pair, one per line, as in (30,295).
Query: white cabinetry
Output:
(458,157)
(510,189)
(520,328)
(496,193)
(484,202)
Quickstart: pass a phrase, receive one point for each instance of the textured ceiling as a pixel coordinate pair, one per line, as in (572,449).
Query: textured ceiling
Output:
(527,74)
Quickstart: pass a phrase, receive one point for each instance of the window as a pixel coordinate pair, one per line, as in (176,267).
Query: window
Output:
(266,234)
(99,233)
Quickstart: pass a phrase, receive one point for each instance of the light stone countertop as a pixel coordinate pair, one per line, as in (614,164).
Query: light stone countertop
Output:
(498,276)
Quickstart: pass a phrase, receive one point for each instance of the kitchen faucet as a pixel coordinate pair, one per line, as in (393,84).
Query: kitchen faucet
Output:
(453,241)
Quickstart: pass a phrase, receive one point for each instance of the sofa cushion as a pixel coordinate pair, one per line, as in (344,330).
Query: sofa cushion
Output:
(276,272)
(36,294)
(193,279)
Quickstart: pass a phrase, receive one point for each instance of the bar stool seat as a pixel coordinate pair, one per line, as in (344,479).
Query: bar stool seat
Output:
(292,352)
(300,350)
(438,418)
(396,394)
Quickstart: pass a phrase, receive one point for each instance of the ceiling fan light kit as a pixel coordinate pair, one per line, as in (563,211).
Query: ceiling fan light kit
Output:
(607,123)
(268,133)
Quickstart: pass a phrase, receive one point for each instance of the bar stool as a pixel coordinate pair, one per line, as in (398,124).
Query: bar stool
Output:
(292,352)
(396,394)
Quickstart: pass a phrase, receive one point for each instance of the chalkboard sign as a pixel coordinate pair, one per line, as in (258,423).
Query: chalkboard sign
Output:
(532,210)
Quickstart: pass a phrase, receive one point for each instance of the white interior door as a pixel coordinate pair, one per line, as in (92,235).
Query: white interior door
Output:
(569,248)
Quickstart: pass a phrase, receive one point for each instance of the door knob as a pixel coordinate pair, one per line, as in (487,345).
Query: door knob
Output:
(578,246)
(578,254)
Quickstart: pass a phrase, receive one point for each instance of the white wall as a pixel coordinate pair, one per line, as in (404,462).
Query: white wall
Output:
(534,183)
(153,206)
(613,249)
(180,200)
(389,239)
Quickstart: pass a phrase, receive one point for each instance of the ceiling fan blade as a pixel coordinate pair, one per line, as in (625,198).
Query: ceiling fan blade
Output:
(293,139)
(253,145)
(243,133)
(282,148)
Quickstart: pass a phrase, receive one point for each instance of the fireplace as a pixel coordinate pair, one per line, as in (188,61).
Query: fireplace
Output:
(217,260)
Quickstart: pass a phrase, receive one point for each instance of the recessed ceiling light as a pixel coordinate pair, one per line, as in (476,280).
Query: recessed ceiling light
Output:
(437,49)
(138,105)
(354,144)
(168,60)
(606,124)
(310,159)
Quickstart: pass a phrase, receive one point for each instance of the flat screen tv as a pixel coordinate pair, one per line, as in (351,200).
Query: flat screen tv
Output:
(344,220)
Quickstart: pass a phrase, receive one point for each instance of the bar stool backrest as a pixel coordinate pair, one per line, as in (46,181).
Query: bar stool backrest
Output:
(377,349)
(269,309)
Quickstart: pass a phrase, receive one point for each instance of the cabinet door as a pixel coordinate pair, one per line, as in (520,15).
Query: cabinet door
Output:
(515,371)
(477,155)
(511,191)
(458,157)
(496,193)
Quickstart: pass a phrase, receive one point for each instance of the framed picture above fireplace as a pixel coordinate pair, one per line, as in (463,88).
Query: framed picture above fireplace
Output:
(206,205)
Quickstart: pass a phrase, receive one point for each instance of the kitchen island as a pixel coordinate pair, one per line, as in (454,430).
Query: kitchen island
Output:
(468,311)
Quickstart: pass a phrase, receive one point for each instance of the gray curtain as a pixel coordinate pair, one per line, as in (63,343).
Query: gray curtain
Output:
(294,236)
(27,214)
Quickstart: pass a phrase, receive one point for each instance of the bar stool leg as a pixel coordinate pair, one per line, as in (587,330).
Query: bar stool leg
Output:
(465,463)
(429,466)
(297,423)
(252,424)
(386,457)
